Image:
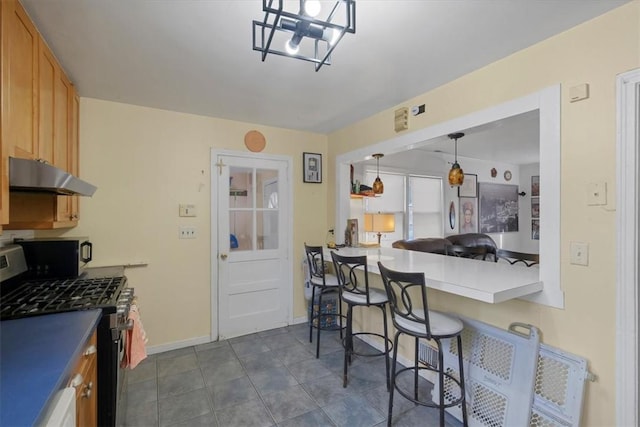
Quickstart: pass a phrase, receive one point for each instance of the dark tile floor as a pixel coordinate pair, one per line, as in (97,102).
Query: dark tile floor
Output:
(266,379)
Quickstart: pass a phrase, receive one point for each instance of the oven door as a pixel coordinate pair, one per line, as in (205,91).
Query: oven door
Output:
(121,387)
(110,381)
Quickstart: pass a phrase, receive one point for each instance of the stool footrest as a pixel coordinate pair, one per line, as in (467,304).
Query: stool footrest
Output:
(334,327)
(410,395)
(377,352)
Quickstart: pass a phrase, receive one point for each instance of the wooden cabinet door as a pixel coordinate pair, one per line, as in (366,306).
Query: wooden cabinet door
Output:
(19,70)
(85,380)
(19,81)
(74,152)
(62,90)
(46,102)
(86,402)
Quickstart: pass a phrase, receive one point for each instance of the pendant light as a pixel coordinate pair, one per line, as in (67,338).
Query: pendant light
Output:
(456,174)
(378,186)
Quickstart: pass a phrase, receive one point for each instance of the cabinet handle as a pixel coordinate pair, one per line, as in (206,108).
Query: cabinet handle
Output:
(90,350)
(87,391)
(77,380)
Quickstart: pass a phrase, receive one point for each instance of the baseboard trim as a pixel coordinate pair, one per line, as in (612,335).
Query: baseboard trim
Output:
(176,345)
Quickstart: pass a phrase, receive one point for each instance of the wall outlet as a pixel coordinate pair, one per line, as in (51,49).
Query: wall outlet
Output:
(187,233)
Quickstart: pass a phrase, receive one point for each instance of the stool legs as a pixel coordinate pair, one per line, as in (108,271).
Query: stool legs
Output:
(318,315)
(348,345)
(441,380)
(463,403)
(386,344)
(393,378)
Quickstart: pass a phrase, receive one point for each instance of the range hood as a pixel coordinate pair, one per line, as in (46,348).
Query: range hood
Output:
(38,177)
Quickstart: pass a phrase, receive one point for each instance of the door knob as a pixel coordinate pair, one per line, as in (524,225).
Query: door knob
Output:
(223,256)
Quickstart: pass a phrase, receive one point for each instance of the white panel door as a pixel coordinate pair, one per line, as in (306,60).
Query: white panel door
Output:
(254,287)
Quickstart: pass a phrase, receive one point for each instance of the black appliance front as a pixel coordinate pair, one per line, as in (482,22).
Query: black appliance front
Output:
(56,257)
(108,341)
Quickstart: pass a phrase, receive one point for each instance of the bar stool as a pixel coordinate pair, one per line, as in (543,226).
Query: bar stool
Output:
(357,293)
(324,283)
(412,317)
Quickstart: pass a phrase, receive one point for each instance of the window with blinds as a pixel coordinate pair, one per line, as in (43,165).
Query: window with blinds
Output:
(416,202)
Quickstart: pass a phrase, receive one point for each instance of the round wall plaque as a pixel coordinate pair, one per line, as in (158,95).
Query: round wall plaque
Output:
(254,141)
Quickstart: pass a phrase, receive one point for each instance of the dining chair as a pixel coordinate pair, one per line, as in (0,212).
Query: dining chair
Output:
(407,294)
(353,279)
(514,257)
(473,252)
(322,283)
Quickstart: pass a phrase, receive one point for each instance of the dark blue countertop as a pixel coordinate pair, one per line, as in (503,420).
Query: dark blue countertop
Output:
(37,356)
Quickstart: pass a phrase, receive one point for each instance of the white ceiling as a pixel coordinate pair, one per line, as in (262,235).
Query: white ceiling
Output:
(196,56)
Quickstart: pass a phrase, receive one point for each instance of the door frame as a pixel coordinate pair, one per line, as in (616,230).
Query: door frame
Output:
(628,247)
(284,186)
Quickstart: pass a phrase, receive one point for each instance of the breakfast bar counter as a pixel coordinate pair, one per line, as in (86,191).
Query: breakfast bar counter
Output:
(485,281)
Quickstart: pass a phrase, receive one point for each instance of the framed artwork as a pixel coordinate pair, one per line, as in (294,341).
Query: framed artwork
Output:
(535,208)
(468,214)
(312,167)
(535,229)
(498,207)
(469,187)
(535,186)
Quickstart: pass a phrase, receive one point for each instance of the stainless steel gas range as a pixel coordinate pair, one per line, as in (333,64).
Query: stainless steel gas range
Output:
(103,288)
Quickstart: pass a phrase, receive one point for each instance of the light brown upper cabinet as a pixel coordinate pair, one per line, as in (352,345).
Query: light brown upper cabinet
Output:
(19,69)
(39,121)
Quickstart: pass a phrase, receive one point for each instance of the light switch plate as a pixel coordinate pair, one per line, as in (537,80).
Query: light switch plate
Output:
(579,253)
(187,210)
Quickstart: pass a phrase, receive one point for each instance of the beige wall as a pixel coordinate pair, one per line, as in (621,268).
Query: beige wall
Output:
(592,53)
(145,162)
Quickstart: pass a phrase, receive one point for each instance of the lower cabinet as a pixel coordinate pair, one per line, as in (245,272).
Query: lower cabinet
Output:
(85,381)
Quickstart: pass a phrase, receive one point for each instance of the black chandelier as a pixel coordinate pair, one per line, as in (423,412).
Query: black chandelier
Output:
(311,34)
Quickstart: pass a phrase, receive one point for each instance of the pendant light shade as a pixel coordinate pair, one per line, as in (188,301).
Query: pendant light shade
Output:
(456,174)
(378,186)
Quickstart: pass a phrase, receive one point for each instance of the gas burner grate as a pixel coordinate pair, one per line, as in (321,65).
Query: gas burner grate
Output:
(50,296)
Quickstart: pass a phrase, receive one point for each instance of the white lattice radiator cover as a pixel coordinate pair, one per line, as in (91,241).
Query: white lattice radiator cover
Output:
(513,380)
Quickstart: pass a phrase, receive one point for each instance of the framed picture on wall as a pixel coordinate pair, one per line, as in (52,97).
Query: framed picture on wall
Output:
(535,186)
(468,214)
(469,187)
(312,167)
(535,229)
(535,208)
(498,207)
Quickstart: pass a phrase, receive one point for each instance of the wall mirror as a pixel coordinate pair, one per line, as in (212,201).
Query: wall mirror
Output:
(540,110)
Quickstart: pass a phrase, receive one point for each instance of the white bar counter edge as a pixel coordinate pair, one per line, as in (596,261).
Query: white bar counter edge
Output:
(485,281)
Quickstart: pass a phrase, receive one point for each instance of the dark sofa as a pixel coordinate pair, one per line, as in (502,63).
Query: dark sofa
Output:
(437,245)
